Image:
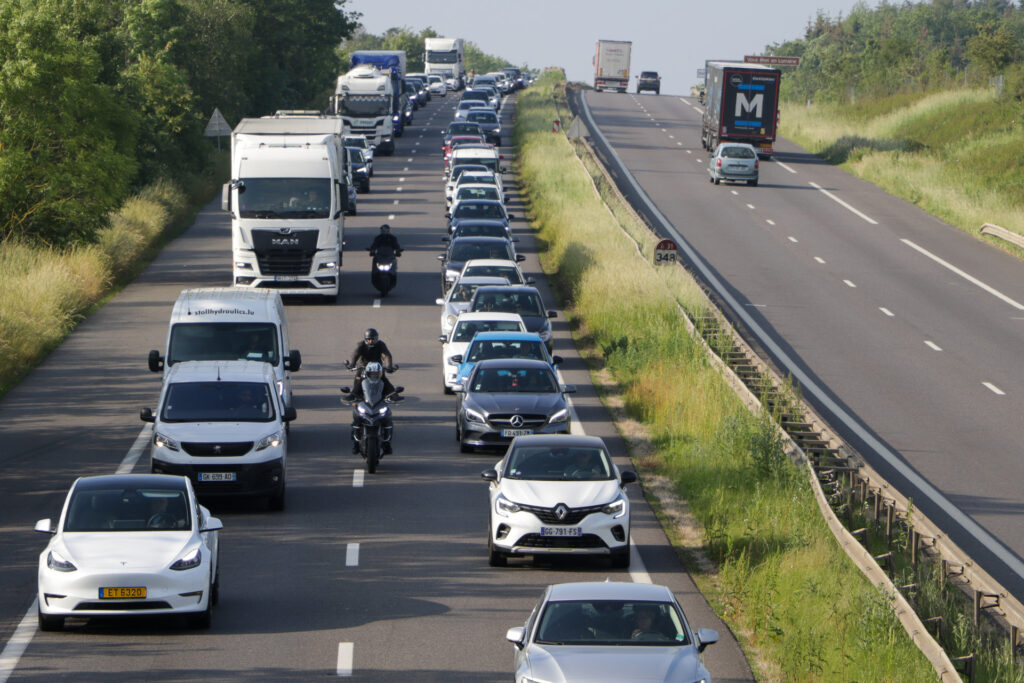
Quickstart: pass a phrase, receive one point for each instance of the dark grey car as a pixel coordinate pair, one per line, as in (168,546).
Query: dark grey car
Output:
(525,301)
(505,398)
(488,121)
(466,248)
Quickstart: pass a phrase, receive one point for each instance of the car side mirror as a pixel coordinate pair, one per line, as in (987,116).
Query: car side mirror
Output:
(520,258)
(569,389)
(294,361)
(345,390)
(156,361)
(289,414)
(557,360)
(705,637)
(444,337)
(146,415)
(489,475)
(45,526)
(552,314)
(627,477)
(459,389)
(511,216)
(516,636)
(212,524)
(531,281)
(446,240)
(455,360)
(440,257)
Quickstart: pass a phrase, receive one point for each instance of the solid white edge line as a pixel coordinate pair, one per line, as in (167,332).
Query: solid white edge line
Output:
(994,389)
(807,383)
(358,477)
(970,278)
(18,642)
(352,555)
(376,303)
(839,201)
(637,569)
(135,452)
(782,165)
(345,652)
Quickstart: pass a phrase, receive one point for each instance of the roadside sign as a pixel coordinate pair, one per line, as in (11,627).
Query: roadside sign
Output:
(665,252)
(772,60)
(217,126)
(702,73)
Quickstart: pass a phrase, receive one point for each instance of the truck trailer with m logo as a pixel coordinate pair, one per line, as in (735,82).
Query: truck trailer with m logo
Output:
(741,105)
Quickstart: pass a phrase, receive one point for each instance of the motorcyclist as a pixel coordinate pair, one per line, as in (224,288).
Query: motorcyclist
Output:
(385,238)
(372,388)
(371,350)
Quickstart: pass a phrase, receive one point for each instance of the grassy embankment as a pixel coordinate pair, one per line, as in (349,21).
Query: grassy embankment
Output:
(800,608)
(45,292)
(959,155)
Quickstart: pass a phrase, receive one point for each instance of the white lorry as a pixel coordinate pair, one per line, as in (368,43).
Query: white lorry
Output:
(287,197)
(363,99)
(446,55)
(611,65)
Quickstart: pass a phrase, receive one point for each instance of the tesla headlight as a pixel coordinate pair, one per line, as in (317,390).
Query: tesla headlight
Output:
(274,440)
(57,563)
(616,508)
(189,561)
(474,416)
(561,416)
(503,506)
(164,441)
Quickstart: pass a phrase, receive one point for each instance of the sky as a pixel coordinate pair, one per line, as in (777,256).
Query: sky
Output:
(673,37)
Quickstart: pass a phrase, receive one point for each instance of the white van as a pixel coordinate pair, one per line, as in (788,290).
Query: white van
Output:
(224,323)
(222,425)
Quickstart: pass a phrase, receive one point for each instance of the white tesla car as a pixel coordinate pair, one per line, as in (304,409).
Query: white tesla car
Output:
(129,544)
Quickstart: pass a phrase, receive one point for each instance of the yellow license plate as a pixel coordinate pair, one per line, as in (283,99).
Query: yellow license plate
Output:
(123,593)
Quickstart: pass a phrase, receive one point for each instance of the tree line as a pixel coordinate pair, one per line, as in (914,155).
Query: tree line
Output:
(100,98)
(901,47)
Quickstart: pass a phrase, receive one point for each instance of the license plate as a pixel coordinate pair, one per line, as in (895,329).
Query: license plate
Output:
(218,476)
(516,432)
(561,531)
(122,592)
(285,278)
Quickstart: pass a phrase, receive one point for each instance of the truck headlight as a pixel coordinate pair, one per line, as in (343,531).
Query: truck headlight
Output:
(274,440)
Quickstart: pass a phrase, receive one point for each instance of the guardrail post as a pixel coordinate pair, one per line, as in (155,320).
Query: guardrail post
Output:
(890,517)
(968,663)
(937,622)
(914,542)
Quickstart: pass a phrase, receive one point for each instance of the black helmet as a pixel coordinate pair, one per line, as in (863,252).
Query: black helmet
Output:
(370,336)
(385,228)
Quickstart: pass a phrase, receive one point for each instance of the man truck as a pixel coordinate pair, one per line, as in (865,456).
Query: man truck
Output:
(741,104)
(611,65)
(364,98)
(287,197)
(391,63)
(443,56)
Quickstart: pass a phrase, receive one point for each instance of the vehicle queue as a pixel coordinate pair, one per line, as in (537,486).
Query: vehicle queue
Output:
(222,421)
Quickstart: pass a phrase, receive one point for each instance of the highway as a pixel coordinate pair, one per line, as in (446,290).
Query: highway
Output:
(373,577)
(910,329)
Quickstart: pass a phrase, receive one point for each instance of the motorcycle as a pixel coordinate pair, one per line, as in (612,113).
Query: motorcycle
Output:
(384,271)
(371,416)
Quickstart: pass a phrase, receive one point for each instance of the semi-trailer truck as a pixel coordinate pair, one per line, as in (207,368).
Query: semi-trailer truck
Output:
(611,65)
(392,63)
(741,104)
(364,98)
(446,55)
(287,197)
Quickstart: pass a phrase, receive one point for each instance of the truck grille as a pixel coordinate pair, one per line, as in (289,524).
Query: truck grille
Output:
(284,253)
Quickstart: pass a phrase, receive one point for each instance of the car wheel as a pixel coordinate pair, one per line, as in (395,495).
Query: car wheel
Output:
(620,558)
(464,447)
(447,389)
(276,502)
(200,621)
(710,179)
(718,181)
(215,590)
(50,622)
(752,183)
(495,557)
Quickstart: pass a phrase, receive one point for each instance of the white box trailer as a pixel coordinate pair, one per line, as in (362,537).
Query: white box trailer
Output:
(611,65)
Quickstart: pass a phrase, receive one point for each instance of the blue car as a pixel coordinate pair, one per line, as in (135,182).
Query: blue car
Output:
(487,345)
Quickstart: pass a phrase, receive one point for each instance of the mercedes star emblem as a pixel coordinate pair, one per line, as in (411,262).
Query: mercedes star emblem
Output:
(517,421)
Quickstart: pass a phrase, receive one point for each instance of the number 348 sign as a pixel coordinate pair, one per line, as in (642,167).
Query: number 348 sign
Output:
(665,253)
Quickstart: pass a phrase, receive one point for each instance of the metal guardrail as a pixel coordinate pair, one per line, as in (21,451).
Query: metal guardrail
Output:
(1003,233)
(814,443)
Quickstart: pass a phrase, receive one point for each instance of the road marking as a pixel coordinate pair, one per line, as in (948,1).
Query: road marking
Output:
(769,221)
(782,165)
(994,389)
(413,151)
(417,142)
(401,180)
(358,476)
(18,643)
(663,130)
(135,452)
(973,280)
(391,216)
(887,311)
(352,555)
(672,137)
(398,189)
(396,202)
(687,151)
(839,201)
(345,659)
(376,303)
(409,160)
(932,345)
(750,206)
(405,169)
(735,193)
(637,570)
(849,284)
(819,260)
(793,239)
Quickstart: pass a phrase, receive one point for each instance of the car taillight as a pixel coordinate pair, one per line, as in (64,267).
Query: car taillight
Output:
(756,164)
(718,163)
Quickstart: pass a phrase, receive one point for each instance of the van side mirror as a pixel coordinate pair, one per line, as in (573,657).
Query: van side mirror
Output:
(520,258)
(156,361)
(289,414)
(146,415)
(225,197)
(294,361)
(552,314)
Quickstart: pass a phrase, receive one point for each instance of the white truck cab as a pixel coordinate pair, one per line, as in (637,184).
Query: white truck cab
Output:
(225,323)
(363,99)
(222,425)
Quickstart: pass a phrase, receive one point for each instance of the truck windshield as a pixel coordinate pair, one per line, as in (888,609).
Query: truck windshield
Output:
(217,402)
(223,341)
(435,57)
(285,198)
(365,105)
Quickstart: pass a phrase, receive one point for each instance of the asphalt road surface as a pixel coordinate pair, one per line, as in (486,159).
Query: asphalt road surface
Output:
(377,577)
(912,328)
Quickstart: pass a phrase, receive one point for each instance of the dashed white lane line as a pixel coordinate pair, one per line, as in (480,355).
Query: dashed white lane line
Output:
(18,643)
(401,180)
(409,160)
(396,202)
(843,204)
(681,144)
(782,165)
(352,555)
(417,143)
(735,193)
(887,311)
(970,278)
(750,206)
(398,189)
(358,477)
(819,260)
(849,284)
(994,389)
(769,221)
(405,170)
(637,570)
(345,652)
(932,345)
(376,303)
(689,151)
(672,137)
(793,239)
(391,216)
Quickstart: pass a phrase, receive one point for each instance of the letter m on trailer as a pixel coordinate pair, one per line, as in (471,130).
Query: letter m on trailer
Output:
(745,104)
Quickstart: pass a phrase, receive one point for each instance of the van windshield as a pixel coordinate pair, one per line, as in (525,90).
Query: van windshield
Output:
(217,402)
(223,341)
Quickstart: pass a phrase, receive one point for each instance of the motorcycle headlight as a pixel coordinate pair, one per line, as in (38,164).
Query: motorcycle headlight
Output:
(383,411)
(189,561)
(561,416)
(384,267)
(58,564)
(474,416)
(164,441)
(362,409)
(504,507)
(274,440)
(616,508)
